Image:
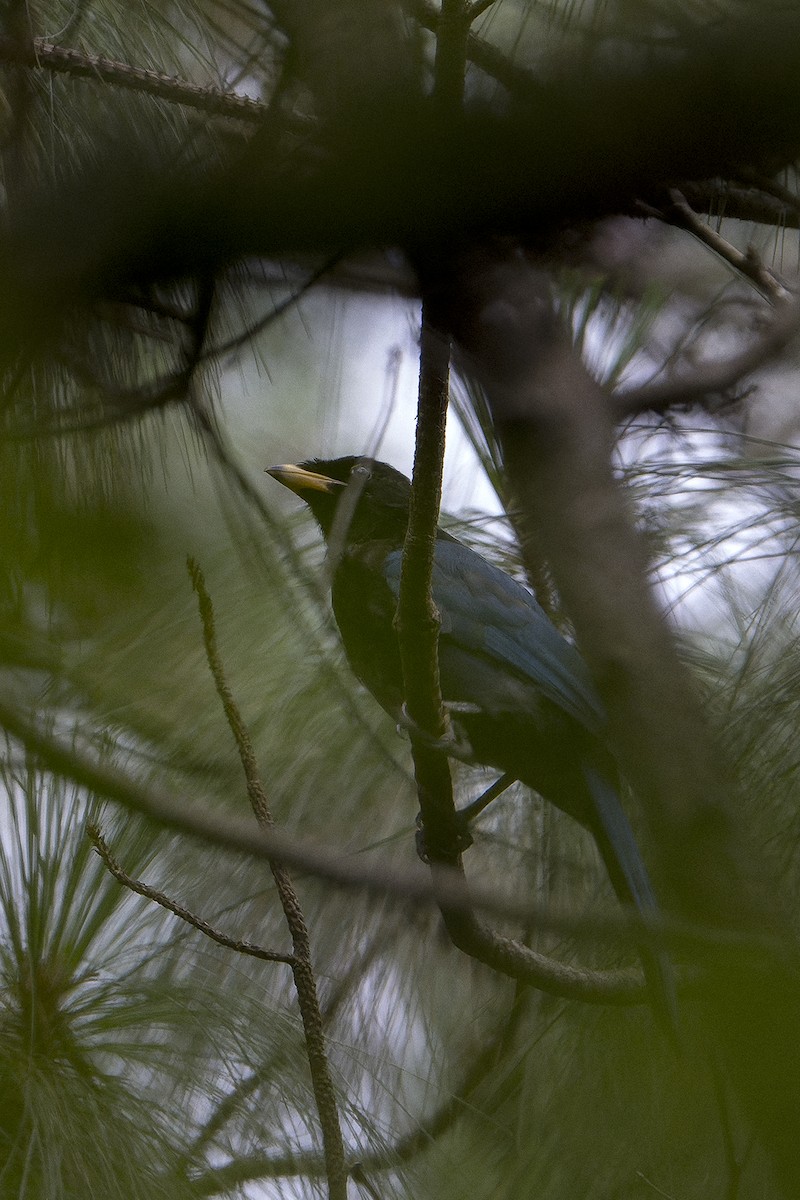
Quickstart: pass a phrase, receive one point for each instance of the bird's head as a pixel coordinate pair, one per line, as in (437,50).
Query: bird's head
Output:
(378,494)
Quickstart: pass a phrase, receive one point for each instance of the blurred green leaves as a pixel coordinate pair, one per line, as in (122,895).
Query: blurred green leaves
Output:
(135,1058)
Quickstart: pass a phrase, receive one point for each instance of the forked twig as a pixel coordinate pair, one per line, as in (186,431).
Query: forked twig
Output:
(162,899)
(302,970)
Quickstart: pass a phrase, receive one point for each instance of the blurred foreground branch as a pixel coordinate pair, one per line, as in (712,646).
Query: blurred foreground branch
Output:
(371,171)
(556,430)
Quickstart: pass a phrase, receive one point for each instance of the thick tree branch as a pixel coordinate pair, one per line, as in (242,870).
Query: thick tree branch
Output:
(407,175)
(557,437)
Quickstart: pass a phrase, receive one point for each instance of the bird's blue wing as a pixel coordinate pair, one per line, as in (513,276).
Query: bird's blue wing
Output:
(489,616)
(500,651)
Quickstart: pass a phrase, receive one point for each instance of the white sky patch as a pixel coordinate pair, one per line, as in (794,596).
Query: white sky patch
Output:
(355,343)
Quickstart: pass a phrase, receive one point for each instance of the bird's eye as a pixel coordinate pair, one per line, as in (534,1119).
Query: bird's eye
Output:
(361,471)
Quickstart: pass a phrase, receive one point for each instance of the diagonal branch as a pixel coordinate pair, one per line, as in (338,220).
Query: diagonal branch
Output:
(302,969)
(717,377)
(382,878)
(558,438)
(748,264)
(722,375)
(41,54)
(160,898)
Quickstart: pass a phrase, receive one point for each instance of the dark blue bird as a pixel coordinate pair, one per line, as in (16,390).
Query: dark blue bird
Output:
(518,691)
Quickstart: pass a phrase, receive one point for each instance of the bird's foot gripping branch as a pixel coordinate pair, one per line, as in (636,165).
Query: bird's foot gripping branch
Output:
(461,841)
(454,744)
(519,691)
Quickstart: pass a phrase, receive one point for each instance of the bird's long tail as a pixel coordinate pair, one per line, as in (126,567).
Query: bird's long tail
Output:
(632,884)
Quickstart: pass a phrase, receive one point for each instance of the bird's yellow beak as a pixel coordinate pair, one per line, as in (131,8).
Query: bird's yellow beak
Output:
(299,480)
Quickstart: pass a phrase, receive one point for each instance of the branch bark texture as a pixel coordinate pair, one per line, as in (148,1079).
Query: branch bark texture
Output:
(301,965)
(557,435)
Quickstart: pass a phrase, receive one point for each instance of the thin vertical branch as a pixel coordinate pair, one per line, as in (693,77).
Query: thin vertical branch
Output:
(417,617)
(302,970)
